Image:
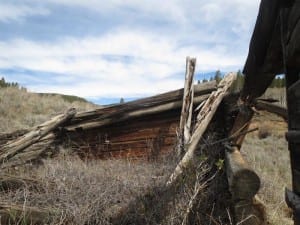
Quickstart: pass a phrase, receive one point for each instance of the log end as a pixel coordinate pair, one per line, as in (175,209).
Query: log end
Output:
(245,184)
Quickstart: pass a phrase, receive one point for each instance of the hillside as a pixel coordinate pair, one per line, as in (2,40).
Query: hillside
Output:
(20,109)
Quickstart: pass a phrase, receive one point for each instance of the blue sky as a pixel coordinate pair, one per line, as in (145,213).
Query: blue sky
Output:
(103,50)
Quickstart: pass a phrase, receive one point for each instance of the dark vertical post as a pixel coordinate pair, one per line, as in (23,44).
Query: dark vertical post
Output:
(293,138)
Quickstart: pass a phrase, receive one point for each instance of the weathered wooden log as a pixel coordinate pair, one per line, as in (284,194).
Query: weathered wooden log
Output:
(272,108)
(203,119)
(13,147)
(187,106)
(155,104)
(31,153)
(243,182)
(6,137)
(114,118)
(21,214)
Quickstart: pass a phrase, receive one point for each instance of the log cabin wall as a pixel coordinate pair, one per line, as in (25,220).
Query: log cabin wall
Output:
(145,128)
(145,137)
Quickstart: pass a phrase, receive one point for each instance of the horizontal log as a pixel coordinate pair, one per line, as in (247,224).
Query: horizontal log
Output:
(114,118)
(199,89)
(276,109)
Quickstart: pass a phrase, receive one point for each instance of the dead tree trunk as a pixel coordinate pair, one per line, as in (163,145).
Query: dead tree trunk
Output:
(203,119)
(187,106)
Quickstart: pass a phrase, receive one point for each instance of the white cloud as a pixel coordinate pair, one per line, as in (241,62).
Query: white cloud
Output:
(149,66)
(133,61)
(17,12)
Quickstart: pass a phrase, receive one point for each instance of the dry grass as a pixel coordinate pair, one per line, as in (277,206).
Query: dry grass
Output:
(116,192)
(270,159)
(20,109)
(88,192)
(276,93)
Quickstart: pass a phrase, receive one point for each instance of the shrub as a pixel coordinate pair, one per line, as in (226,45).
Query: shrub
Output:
(264,131)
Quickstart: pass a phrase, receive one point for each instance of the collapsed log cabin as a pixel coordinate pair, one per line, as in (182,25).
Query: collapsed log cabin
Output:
(146,128)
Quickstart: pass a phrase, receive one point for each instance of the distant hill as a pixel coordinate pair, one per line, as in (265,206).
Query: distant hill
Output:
(68,98)
(20,109)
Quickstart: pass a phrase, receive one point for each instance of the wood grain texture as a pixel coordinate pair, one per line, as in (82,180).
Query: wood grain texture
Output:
(203,119)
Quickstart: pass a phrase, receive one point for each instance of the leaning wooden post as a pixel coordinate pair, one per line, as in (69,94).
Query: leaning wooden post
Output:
(184,134)
(204,117)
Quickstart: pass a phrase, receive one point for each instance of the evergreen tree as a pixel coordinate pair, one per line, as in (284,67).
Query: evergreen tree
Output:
(218,76)
(4,84)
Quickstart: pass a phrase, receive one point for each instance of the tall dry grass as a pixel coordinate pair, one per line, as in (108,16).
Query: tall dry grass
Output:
(276,93)
(90,192)
(114,192)
(269,156)
(20,109)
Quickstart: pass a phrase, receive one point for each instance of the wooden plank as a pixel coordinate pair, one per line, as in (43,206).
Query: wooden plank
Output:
(184,134)
(119,110)
(203,119)
(136,113)
(272,108)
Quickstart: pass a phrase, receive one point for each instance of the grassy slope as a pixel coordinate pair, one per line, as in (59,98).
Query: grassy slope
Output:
(20,109)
